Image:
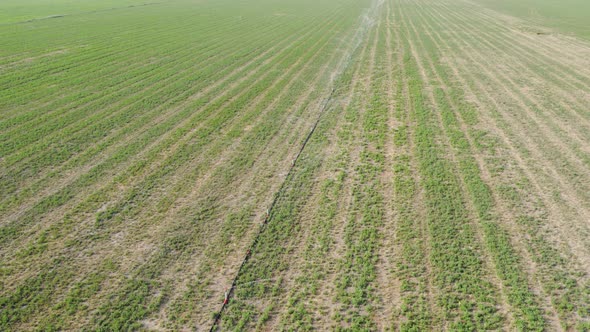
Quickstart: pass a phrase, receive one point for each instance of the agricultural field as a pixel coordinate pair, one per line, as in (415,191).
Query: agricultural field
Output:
(352,165)
(565,16)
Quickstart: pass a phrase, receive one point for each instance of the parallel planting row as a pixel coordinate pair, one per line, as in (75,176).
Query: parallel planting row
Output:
(415,207)
(135,171)
(358,165)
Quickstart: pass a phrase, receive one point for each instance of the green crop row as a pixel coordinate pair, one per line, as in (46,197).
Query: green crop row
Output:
(467,301)
(525,308)
(411,268)
(261,277)
(567,295)
(356,284)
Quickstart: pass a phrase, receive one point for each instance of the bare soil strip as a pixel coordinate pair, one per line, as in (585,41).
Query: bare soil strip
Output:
(389,286)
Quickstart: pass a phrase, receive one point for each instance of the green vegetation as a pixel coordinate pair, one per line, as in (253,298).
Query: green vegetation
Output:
(15,11)
(357,165)
(566,16)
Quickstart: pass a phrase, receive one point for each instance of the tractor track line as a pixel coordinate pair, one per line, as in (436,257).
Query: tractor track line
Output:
(269,214)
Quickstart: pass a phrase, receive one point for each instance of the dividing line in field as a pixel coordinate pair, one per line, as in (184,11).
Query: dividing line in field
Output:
(318,223)
(295,120)
(269,211)
(347,59)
